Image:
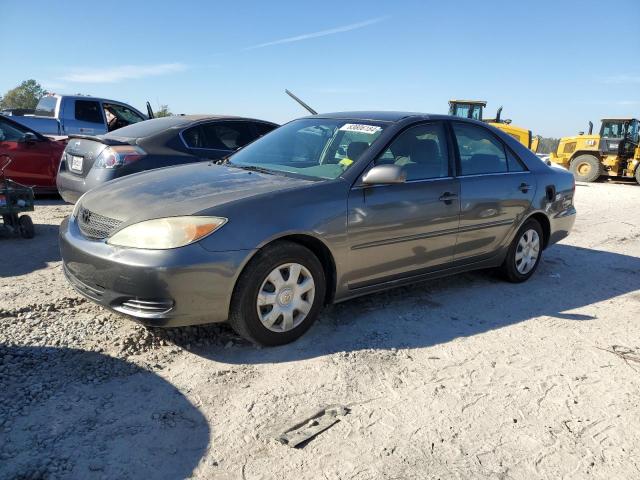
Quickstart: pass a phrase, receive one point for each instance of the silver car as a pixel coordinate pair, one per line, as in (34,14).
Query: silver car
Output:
(321,210)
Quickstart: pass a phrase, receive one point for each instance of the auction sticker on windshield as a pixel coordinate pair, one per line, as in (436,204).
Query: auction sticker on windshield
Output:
(360,128)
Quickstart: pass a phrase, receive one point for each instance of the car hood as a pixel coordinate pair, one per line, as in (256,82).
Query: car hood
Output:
(183,190)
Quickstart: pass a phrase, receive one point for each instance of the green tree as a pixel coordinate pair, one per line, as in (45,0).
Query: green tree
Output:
(163,112)
(25,95)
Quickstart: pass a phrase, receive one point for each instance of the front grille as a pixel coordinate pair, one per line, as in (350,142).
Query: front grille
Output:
(93,225)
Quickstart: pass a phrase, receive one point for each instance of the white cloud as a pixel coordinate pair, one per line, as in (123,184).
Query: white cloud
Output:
(322,33)
(621,79)
(122,72)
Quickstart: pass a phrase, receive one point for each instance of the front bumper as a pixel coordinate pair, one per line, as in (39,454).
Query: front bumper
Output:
(168,288)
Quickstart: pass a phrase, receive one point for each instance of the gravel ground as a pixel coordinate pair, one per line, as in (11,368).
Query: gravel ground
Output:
(466,377)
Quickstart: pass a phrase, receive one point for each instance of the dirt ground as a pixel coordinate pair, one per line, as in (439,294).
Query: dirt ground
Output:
(467,377)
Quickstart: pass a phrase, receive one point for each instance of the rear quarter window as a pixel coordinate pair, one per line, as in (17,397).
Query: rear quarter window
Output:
(46,107)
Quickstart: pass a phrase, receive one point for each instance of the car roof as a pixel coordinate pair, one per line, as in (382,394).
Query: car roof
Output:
(166,125)
(182,119)
(383,116)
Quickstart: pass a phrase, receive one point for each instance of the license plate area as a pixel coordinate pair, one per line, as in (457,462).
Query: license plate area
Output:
(76,163)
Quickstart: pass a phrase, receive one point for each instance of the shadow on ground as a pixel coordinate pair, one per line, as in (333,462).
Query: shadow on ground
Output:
(77,414)
(20,255)
(24,255)
(440,311)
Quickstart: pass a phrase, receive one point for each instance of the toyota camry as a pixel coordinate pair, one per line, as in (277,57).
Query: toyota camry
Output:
(320,210)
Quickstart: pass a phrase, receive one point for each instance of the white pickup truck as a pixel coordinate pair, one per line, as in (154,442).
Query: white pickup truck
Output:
(61,115)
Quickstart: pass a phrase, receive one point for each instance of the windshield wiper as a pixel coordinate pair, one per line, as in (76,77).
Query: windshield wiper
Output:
(252,168)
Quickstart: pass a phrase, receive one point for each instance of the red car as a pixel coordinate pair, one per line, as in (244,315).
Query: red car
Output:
(35,157)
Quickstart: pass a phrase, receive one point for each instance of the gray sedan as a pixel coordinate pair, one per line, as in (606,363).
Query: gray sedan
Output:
(323,209)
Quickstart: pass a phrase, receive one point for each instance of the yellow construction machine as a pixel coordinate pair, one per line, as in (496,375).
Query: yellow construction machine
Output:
(473,109)
(614,152)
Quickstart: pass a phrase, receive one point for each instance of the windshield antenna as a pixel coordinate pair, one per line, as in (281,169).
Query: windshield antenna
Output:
(304,105)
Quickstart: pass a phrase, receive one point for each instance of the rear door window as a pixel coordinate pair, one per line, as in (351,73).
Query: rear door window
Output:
(226,135)
(480,152)
(88,111)
(514,163)
(263,128)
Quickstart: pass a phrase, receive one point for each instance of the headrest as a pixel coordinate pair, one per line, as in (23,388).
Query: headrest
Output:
(425,151)
(355,149)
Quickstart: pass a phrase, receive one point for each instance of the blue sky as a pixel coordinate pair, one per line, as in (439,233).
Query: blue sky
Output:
(553,65)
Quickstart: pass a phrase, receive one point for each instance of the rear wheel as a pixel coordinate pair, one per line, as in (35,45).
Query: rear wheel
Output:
(278,295)
(586,168)
(524,253)
(27,229)
(637,175)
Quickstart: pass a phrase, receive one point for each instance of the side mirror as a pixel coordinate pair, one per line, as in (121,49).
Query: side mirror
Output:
(29,137)
(384,174)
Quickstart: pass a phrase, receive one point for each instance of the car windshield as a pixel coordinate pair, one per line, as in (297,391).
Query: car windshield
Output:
(314,147)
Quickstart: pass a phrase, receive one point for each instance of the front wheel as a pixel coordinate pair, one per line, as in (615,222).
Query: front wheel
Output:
(637,175)
(524,253)
(586,168)
(279,295)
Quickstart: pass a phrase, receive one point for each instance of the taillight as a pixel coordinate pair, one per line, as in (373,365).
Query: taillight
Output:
(118,156)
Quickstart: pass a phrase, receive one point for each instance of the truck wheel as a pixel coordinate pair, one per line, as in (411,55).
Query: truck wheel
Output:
(637,175)
(26,226)
(278,295)
(586,168)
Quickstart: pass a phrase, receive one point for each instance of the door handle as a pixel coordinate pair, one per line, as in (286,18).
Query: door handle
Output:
(524,188)
(447,197)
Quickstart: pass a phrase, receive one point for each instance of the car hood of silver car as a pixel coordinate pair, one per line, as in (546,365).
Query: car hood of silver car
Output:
(184,190)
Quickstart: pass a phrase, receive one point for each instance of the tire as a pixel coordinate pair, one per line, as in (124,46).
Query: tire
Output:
(637,175)
(274,318)
(26,226)
(512,268)
(586,168)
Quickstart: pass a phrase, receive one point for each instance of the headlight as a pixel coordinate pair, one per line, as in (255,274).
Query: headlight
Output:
(163,233)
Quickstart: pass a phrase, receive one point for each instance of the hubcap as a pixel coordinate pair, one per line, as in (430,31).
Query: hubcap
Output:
(285,297)
(527,251)
(584,168)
